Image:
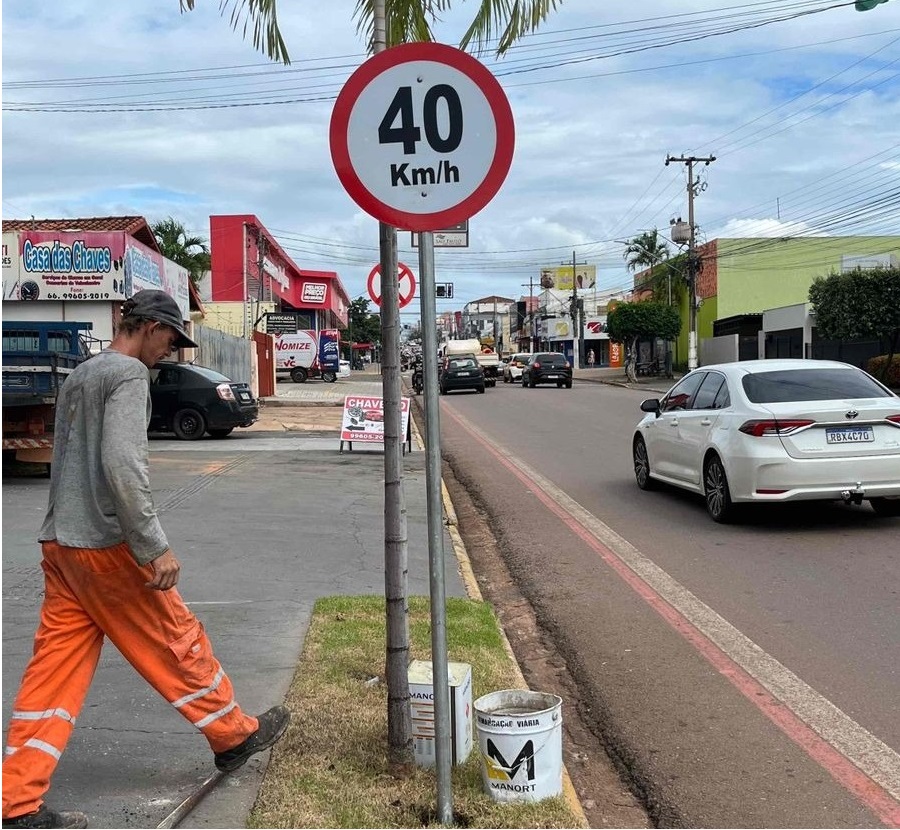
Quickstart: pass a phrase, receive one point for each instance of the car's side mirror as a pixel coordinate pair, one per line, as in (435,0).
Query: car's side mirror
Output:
(651,405)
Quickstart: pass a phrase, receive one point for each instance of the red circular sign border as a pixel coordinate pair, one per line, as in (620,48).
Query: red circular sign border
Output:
(503,120)
(401,268)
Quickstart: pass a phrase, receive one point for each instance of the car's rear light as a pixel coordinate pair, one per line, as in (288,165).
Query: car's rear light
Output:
(567,365)
(225,392)
(760,429)
(770,492)
(536,365)
(894,419)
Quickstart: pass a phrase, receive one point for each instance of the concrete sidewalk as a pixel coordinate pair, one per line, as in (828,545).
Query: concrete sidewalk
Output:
(264,525)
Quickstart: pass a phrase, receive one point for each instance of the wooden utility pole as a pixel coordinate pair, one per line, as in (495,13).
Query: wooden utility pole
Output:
(693,271)
(396,558)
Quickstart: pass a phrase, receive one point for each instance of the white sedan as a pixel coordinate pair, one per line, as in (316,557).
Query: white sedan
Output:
(774,431)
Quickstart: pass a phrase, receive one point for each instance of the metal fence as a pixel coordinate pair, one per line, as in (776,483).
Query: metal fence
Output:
(225,353)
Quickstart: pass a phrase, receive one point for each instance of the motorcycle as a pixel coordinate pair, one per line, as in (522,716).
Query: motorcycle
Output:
(418,381)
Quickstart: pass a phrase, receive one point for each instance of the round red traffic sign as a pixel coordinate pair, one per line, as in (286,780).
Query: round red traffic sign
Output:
(407,284)
(422,136)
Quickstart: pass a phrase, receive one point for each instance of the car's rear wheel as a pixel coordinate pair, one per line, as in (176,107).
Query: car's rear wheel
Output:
(559,384)
(299,374)
(221,433)
(443,390)
(329,377)
(886,508)
(480,390)
(718,496)
(568,384)
(531,383)
(642,465)
(189,424)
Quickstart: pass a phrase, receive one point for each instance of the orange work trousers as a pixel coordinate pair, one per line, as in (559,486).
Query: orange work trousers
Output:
(89,594)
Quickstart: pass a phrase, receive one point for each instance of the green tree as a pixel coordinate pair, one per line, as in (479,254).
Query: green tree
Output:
(363,327)
(407,21)
(646,250)
(630,322)
(189,252)
(859,304)
(668,276)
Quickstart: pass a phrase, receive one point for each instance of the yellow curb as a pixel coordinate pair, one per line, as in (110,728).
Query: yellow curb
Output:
(474,592)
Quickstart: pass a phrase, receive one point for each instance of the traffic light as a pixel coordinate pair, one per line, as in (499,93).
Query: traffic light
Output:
(865,5)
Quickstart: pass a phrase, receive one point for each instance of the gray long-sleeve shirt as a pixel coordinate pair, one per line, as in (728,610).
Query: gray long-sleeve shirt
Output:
(100,478)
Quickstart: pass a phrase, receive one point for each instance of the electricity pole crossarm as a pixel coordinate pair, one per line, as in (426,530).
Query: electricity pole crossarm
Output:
(693,187)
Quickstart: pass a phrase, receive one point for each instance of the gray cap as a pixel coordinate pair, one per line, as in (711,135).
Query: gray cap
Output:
(161,308)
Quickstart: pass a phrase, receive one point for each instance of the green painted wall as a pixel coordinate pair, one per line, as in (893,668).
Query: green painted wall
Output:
(758,274)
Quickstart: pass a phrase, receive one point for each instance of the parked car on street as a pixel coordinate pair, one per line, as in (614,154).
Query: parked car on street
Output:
(547,367)
(512,371)
(192,400)
(773,431)
(461,373)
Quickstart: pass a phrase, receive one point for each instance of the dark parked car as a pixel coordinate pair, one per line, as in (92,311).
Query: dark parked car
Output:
(461,373)
(192,400)
(547,367)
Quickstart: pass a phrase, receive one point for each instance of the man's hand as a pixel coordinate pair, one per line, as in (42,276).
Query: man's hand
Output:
(166,569)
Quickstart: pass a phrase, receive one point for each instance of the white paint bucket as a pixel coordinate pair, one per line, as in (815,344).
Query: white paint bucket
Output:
(520,740)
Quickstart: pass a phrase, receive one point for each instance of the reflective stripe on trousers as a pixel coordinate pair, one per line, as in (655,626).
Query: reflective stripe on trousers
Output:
(89,594)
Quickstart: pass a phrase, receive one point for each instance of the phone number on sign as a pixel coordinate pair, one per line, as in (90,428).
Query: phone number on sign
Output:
(88,295)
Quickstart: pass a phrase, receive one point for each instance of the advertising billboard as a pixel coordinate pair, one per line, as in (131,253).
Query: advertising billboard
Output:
(78,265)
(87,265)
(585,276)
(10,266)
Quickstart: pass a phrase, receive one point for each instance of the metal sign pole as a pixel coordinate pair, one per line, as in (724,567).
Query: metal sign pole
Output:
(443,758)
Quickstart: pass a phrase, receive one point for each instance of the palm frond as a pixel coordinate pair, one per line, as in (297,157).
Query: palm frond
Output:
(259,19)
(507,19)
(408,21)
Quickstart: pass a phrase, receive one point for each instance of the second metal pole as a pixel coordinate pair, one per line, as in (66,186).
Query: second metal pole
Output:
(443,757)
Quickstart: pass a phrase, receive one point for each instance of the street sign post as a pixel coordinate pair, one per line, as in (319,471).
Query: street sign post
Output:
(405,277)
(422,136)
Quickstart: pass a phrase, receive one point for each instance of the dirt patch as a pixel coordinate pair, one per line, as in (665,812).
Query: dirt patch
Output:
(605,798)
(298,419)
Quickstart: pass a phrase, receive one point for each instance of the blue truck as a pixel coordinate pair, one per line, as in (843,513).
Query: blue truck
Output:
(37,358)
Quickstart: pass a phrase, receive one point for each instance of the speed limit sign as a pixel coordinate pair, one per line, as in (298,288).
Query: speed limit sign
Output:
(422,136)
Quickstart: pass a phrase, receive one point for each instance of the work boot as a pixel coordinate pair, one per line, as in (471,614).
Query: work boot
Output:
(45,817)
(272,725)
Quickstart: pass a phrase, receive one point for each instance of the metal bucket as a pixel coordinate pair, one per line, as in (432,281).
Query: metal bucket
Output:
(520,740)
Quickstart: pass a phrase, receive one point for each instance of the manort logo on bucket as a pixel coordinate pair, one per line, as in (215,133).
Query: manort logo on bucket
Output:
(520,740)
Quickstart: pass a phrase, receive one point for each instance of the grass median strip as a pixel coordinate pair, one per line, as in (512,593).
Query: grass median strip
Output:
(330,770)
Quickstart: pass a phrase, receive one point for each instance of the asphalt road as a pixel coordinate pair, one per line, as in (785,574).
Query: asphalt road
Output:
(743,676)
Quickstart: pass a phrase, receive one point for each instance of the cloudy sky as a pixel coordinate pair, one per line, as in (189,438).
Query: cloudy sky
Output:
(134,108)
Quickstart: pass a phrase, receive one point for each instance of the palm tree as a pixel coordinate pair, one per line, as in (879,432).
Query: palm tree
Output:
(189,252)
(408,21)
(646,250)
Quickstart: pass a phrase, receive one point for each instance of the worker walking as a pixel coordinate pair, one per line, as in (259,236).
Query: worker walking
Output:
(109,572)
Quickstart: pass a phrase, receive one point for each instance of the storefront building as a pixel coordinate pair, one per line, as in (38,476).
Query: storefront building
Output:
(82,270)
(253,281)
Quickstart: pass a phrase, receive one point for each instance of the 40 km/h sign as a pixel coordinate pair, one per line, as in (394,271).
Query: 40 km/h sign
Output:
(422,136)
